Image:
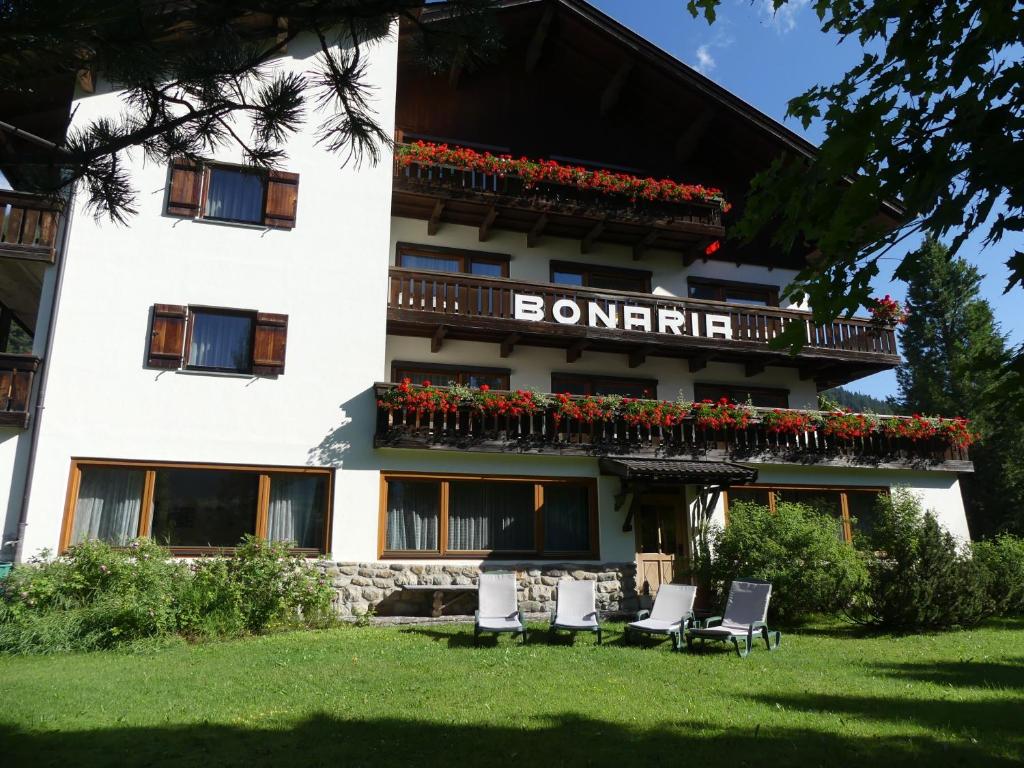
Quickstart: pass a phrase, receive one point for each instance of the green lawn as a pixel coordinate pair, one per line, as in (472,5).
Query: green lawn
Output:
(425,696)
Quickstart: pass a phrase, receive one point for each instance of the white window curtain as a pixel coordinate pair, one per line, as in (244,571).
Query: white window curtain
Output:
(296,509)
(109,503)
(490,516)
(235,195)
(220,341)
(566,518)
(413,513)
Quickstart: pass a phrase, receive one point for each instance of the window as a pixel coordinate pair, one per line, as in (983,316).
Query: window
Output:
(593,276)
(470,516)
(733,292)
(15,337)
(452,260)
(232,193)
(442,375)
(582,384)
(194,509)
(853,508)
(217,339)
(761,397)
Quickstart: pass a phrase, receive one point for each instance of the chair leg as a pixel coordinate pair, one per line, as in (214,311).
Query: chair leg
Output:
(598,635)
(476,637)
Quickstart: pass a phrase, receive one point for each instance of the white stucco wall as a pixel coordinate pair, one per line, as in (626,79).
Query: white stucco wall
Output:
(328,274)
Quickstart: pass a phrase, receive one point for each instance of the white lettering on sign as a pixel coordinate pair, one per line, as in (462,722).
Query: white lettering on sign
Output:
(634,318)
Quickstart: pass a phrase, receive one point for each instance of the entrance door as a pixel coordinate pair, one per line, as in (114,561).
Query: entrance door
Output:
(660,538)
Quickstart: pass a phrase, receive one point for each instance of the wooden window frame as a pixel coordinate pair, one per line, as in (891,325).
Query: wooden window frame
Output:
(208,167)
(737,388)
(465,256)
(588,270)
(460,373)
(649,384)
(771,292)
(149,485)
(842,490)
(190,311)
(443,553)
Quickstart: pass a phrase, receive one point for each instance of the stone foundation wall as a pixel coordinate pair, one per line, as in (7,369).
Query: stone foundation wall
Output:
(380,586)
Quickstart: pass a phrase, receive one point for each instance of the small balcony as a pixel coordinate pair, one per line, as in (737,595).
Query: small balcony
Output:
(547,424)
(441,193)
(512,312)
(16,374)
(28,227)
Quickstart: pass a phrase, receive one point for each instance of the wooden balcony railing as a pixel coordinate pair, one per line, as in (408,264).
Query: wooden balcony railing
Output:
(469,429)
(28,226)
(659,324)
(16,373)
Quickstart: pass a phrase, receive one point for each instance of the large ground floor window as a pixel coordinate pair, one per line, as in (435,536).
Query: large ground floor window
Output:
(852,507)
(457,516)
(193,509)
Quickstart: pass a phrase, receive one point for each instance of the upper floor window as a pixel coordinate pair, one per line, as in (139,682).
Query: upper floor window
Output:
(582,384)
(452,260)
(733,292)
(15,337)
(762,397)
(233,193)
(443,375)
(594,276)
(217,339)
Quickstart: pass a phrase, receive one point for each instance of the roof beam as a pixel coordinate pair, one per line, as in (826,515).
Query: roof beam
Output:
(509,343)
(698,363)
(690,138)
(698,251)
(754,368)
(434,223)
(438,338)
(540,34)
(533,236)
(575,351)
(595,232)
(485,224)
(612,91)
(637,357)
(641,245)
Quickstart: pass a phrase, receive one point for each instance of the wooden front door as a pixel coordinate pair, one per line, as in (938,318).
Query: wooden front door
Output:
(660,538)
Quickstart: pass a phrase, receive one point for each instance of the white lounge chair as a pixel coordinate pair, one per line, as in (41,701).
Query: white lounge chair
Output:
(499,609)
(671,615)
(576,608)
(746,612)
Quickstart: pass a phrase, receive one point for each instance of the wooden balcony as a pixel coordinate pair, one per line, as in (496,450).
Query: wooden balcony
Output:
(16,373)
(469,429)
(511,312)
(441,194)
(28,227)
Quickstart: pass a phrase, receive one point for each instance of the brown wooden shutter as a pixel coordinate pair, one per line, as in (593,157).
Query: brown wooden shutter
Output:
(166,336)
(282,199)
(184,196)
(269,344)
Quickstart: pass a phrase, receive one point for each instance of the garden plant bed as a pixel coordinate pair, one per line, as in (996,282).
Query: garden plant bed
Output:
(423,695)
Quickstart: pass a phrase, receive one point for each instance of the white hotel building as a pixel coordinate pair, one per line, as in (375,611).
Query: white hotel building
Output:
(214,368)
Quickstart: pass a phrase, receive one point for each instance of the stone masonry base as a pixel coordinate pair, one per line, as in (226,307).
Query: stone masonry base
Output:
(380,586)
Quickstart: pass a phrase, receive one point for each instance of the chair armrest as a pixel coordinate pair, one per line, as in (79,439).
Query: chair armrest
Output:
(687,620)
(758,625)
(476,616)
(554,615)
(643,613)
(522,617)
(712,621)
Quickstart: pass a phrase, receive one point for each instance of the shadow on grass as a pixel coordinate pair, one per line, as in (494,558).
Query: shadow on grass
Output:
(967,673)
(562,740)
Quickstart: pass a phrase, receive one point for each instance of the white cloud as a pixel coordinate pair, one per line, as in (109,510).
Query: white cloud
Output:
(784,19)
(705,61)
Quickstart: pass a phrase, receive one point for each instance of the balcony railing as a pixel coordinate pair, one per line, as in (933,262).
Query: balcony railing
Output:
(16,373)
(469,428)
(28,226)
(462,304)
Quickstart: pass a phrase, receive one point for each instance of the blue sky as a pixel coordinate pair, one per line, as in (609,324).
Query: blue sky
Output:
(767,58)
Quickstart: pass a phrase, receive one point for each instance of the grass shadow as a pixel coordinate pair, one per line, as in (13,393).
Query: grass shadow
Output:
(967,673)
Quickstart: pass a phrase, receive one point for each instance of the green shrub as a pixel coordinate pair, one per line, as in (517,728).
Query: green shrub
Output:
(1002,563)
(97,596)
(796,549)
(920,576)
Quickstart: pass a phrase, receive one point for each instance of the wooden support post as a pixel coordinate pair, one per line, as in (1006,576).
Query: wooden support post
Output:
(753,368)
(575,351)
(540,34)
(643,244)
(435,218)
(533,236)
(612,92)
(438,338)
(509,343)
(637,357)
(485,225)
(588,239)
(698,363)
